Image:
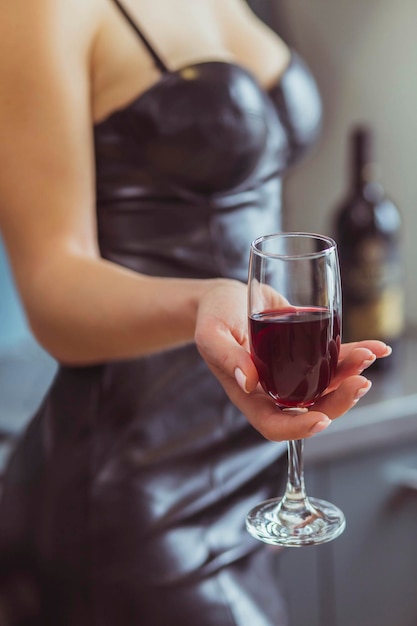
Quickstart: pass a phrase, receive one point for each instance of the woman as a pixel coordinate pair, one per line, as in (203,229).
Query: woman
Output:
(143,148)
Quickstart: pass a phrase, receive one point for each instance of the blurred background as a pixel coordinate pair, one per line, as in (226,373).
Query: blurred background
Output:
(363,54)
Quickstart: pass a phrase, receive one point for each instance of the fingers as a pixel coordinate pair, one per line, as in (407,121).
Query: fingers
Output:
(281,426)
(356,357)
(228,356)
(356,361)
(342,399)
(378,348)
(272,423)
(277,425)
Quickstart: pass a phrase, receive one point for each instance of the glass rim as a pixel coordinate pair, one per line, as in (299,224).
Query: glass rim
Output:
(332,245)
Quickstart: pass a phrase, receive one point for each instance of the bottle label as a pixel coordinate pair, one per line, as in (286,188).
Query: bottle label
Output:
(370,268)
(373,298)
(378,319)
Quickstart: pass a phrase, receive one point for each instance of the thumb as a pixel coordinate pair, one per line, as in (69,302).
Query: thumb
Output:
(228,357)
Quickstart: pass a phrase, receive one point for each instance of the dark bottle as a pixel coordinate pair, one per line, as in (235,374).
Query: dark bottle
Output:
(368,233)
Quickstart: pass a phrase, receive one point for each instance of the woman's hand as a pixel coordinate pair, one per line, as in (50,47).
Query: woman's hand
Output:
(222,340)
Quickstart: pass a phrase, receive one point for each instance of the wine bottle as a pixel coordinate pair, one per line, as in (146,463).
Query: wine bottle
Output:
(368,233)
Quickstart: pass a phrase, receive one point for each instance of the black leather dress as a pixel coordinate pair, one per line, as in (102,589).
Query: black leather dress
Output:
(124,502)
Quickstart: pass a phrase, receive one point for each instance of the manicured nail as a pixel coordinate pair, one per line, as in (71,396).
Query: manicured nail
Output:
(367,362)
(362,391)
(388,351)
(241,379)
(319,426)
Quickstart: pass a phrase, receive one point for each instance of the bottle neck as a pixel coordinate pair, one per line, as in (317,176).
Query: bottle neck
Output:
(364,181)
(361,175)
(365,184)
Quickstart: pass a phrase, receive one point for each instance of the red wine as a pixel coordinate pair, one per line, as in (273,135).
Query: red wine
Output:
(295,353)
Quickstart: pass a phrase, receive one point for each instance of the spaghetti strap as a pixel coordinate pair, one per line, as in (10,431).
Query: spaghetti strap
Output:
(158,61)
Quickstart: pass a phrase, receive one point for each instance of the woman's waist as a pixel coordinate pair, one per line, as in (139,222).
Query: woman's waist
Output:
(180,238)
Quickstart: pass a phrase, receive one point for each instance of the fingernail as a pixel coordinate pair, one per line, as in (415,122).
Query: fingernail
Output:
(241,379)
(367,362)
(319,426)
(388,351)
(362,391)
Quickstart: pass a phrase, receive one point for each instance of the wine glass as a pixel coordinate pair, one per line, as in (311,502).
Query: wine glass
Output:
(294,307)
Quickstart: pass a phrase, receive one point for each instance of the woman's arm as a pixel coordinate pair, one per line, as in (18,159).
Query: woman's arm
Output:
(81,308)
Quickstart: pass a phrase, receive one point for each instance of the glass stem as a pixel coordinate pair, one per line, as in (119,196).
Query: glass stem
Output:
(295,493)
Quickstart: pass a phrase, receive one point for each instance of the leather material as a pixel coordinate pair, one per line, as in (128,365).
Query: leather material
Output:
(125,500)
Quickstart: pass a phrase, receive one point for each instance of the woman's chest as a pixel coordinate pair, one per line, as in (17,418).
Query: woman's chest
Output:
(180,33)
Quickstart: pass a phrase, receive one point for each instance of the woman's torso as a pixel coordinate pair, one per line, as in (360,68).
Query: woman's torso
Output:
(189,166)
(189,170)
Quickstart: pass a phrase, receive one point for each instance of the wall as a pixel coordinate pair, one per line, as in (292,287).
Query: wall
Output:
(364,56)
(13,326)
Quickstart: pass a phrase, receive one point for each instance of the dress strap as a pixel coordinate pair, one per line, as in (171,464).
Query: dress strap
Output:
(158,61)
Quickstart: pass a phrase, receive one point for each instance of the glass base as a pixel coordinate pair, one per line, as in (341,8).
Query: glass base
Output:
(291,523)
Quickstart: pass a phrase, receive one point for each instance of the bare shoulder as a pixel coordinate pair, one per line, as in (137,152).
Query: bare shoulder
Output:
(28,28)
(43,39)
